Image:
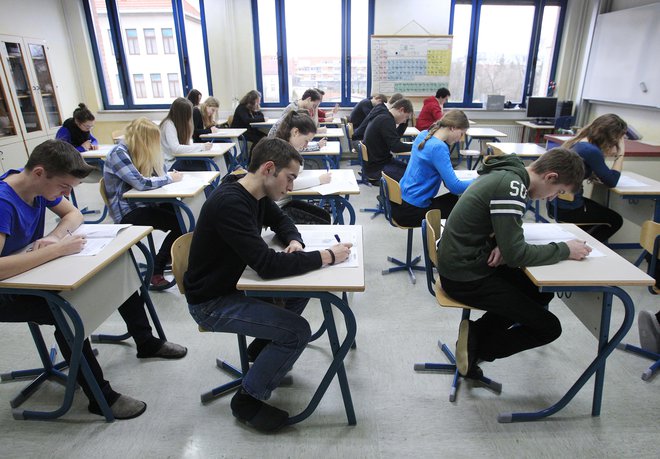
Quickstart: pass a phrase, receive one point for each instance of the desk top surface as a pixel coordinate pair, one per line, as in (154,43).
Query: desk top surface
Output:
(609,270)
(411,131)
(224,133)
(484,132)
(650,187)
(327,279)
(343,182)
(520,149)
(633,147)
(69,273)
(217,149)
(331,149)
(531,124)
(336,133)
(192,184)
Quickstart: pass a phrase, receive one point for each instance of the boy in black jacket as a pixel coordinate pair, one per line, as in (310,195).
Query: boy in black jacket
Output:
(227,238)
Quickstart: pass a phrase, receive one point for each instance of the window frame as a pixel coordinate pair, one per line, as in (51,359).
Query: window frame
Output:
(282,56)
(470,74)
(117,37)
(150,42)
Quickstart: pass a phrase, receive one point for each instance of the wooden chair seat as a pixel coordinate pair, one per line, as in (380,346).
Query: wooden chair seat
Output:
(447,301)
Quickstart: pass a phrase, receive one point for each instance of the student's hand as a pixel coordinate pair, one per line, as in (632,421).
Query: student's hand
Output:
(176,176)
(322,130)
(335,109)
(45,242)
(87,145)
(214,129)
(325,178)
(323,142)
(579,249)
(495,258)
(342,251)
(207,146)
(294,246)
(93,147)
(69,244)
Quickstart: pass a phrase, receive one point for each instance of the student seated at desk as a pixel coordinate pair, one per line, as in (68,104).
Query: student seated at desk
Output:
(602,137)
(205,118)
(483,250)
(194,96)
(432,109)
(52,171)
(77,130)
(364,107)
(324,115)
(358,134)
(227,238)
(298,129)
(381,138)
(249,111)
(428,168)
(176,132)
(310,101)
(137,163)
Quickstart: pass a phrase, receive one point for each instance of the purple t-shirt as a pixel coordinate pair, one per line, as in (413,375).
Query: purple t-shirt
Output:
(20,222)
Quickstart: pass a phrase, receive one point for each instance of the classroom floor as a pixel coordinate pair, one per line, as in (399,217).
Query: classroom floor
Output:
(400,413)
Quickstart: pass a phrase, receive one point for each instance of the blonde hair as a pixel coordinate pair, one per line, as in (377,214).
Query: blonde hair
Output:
(206,119)
(142,139)
(451,119)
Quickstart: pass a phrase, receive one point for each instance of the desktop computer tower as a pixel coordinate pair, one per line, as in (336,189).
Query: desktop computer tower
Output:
(564,108)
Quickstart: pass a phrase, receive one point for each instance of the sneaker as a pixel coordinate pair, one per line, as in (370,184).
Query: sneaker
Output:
(166,350)
(466,352)
(649,332)
(158,281)
(124,407)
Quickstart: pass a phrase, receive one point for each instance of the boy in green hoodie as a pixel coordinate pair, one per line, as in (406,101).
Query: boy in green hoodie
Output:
(482,251)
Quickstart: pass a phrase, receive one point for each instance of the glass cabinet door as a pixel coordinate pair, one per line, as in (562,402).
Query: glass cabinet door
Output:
(7,126)
(45,86)
(23,88)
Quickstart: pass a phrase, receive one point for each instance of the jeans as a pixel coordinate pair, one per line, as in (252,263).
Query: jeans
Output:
(261,318)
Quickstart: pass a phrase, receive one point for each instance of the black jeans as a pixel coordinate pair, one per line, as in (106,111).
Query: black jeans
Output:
(591,212)
(161,217)
(508,297)
(407,214)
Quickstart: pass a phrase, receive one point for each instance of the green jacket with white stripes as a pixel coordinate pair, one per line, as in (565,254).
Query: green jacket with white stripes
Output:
(488,215)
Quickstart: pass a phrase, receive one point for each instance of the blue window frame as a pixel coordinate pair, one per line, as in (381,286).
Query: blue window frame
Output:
(333,57)
(184,44)
(504,47)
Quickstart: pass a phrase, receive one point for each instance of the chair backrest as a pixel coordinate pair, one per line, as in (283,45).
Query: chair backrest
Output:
(393,189)
(390,192)
(104,194)
(364,154)
(650,237)
(430,234)
(179,251)
(564,122)
(230,119)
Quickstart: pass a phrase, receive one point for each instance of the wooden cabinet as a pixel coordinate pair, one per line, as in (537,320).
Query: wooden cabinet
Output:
(29,105)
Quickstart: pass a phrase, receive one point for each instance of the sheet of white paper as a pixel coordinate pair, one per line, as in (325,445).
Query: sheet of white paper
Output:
(547,233)
(93,246)
(338,183)
(188,184)
(323,239)
(625,181)
(100,230)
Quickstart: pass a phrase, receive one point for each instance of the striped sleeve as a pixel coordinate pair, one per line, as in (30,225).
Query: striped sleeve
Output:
(507,206)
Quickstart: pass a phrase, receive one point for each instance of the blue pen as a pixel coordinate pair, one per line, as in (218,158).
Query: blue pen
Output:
(337,237)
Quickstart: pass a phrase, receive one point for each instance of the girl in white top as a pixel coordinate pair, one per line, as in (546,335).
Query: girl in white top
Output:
(176,137)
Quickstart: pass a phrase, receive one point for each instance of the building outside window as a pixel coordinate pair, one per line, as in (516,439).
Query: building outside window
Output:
(156,85)
(150,41)
(174,84)
(132,41)
(139,87)
(168,41)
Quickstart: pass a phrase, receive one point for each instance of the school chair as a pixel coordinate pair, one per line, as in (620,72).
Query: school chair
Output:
(431,230)
(348,134)
(391,193)
(180,251)
(468,155)
(363,157)
(650,242)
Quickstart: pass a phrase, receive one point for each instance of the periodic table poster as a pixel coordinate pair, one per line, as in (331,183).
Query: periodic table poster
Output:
(414,65)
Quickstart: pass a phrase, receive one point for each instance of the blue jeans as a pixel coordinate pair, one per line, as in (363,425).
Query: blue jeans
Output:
(283,325)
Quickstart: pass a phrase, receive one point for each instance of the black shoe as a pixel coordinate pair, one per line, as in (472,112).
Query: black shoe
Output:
(256,413)
(466,352)
(256,346)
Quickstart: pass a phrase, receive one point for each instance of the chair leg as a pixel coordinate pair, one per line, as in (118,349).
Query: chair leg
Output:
(410,264)
(648,373)
(232,370)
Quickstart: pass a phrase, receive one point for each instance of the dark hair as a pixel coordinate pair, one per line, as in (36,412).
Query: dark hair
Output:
(312,94)
(250,98)
(82,114)
(279,151)
(58,158)
(194,96)
(295,119)
(396,96)
(442,93)
(381,97)
(568,165)
(405,104)
(181,115)
(604,132)
(320,91)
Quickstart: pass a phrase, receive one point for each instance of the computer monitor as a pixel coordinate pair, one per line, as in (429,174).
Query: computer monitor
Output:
(543,109)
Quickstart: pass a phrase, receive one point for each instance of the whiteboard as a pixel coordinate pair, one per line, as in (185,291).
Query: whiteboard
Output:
(624,58)
(414,65)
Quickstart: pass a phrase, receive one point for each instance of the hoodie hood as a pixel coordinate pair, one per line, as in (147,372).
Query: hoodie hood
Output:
(504,163)
(431,100)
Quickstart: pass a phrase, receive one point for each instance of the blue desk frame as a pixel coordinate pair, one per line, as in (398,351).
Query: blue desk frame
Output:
(338,204)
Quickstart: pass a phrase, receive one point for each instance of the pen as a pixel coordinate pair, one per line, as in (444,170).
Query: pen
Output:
(337,237)
(70,234)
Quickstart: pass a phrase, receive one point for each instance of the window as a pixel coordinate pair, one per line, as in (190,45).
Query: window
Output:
(132,40)
(138,86)
(503,47)
(293,54)
(156,85)
(174,84)
(168,41)
(186,56)
(150,41)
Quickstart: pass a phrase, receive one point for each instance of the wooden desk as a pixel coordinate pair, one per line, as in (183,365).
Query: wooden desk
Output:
(344,184)
(82,292)
(481,134)
(233,135)
(209,157)
(190,188)
(524,150)
(592,284)
(330,153)
(634,148)
(538,128)
(319,284)
(331,133)
(410,133)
